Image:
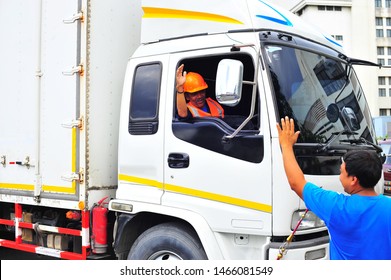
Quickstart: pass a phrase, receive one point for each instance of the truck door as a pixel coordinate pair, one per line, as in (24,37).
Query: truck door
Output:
(140,158)
(59,142)
(229,181)
(41,89)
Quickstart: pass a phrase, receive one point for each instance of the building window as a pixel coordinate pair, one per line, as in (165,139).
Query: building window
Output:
(330,8)
(383,112)
(379,33)
(388,21)
(380,50)
(378,3)
(388,3)
(380,61)
(389,61)
(388,33)
(379,21)
(389,92)
(338,37)
(382,92)
(381,81)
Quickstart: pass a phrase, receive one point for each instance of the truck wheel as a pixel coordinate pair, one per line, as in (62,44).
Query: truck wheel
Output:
(169,241)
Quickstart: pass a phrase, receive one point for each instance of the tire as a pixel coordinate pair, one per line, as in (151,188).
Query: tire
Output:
(168,241)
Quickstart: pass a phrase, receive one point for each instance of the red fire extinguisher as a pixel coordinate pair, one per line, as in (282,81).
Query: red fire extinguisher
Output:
(99,227)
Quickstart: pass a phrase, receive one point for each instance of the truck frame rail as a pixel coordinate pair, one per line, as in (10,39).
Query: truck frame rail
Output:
(57,235)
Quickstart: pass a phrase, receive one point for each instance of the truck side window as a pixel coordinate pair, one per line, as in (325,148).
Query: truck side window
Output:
(144,102)
(209,132)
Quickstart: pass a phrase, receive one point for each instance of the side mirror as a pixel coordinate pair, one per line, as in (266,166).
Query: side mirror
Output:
(350,118)
(229,80)
(332,113)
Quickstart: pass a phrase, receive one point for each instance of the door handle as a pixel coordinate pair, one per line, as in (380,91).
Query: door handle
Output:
(178,160)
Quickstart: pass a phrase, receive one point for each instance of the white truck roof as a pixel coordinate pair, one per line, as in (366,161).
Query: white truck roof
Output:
(170,19)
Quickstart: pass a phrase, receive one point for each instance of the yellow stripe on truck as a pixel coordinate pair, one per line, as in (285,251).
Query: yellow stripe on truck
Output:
(198,193)
(59,189)
(29,187)
(23,187)
(151,12)
(141,181)
(74,156)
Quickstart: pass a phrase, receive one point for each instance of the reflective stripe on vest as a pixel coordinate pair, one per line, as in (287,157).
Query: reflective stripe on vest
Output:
(215,109)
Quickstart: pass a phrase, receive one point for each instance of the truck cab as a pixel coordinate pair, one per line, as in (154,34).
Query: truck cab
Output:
(219,182)
(96,163)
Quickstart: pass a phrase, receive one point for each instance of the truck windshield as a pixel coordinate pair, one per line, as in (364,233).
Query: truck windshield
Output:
(321,93)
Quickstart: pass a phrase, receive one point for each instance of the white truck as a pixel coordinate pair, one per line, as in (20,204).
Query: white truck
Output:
(95,162)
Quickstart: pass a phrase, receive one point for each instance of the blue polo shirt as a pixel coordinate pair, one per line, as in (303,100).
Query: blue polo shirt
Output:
(359,226)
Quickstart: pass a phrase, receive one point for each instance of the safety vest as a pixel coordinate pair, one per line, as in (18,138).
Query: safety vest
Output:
(214,107)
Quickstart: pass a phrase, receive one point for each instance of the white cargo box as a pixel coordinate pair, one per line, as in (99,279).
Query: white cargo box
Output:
(61,77)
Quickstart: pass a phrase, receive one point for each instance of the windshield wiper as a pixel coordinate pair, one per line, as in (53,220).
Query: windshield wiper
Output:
(364,141)
(350,62)
(334,136)
(355,61)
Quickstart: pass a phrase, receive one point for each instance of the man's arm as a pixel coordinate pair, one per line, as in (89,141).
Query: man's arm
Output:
(288,137)
(180,95)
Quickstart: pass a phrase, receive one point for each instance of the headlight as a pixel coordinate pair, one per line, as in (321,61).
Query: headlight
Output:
(310,220)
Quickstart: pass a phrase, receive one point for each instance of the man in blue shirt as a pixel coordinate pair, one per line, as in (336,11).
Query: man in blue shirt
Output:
(359,223)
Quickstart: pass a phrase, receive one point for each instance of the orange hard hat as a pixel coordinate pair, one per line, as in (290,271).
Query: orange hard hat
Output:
(194,82)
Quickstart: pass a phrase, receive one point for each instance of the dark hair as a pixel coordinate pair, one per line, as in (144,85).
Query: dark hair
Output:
(365,165)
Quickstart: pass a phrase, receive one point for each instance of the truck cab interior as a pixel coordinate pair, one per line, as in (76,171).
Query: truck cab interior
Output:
(210,132)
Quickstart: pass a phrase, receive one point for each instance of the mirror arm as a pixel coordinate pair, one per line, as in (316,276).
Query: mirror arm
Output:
(254,94)
(227,137)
